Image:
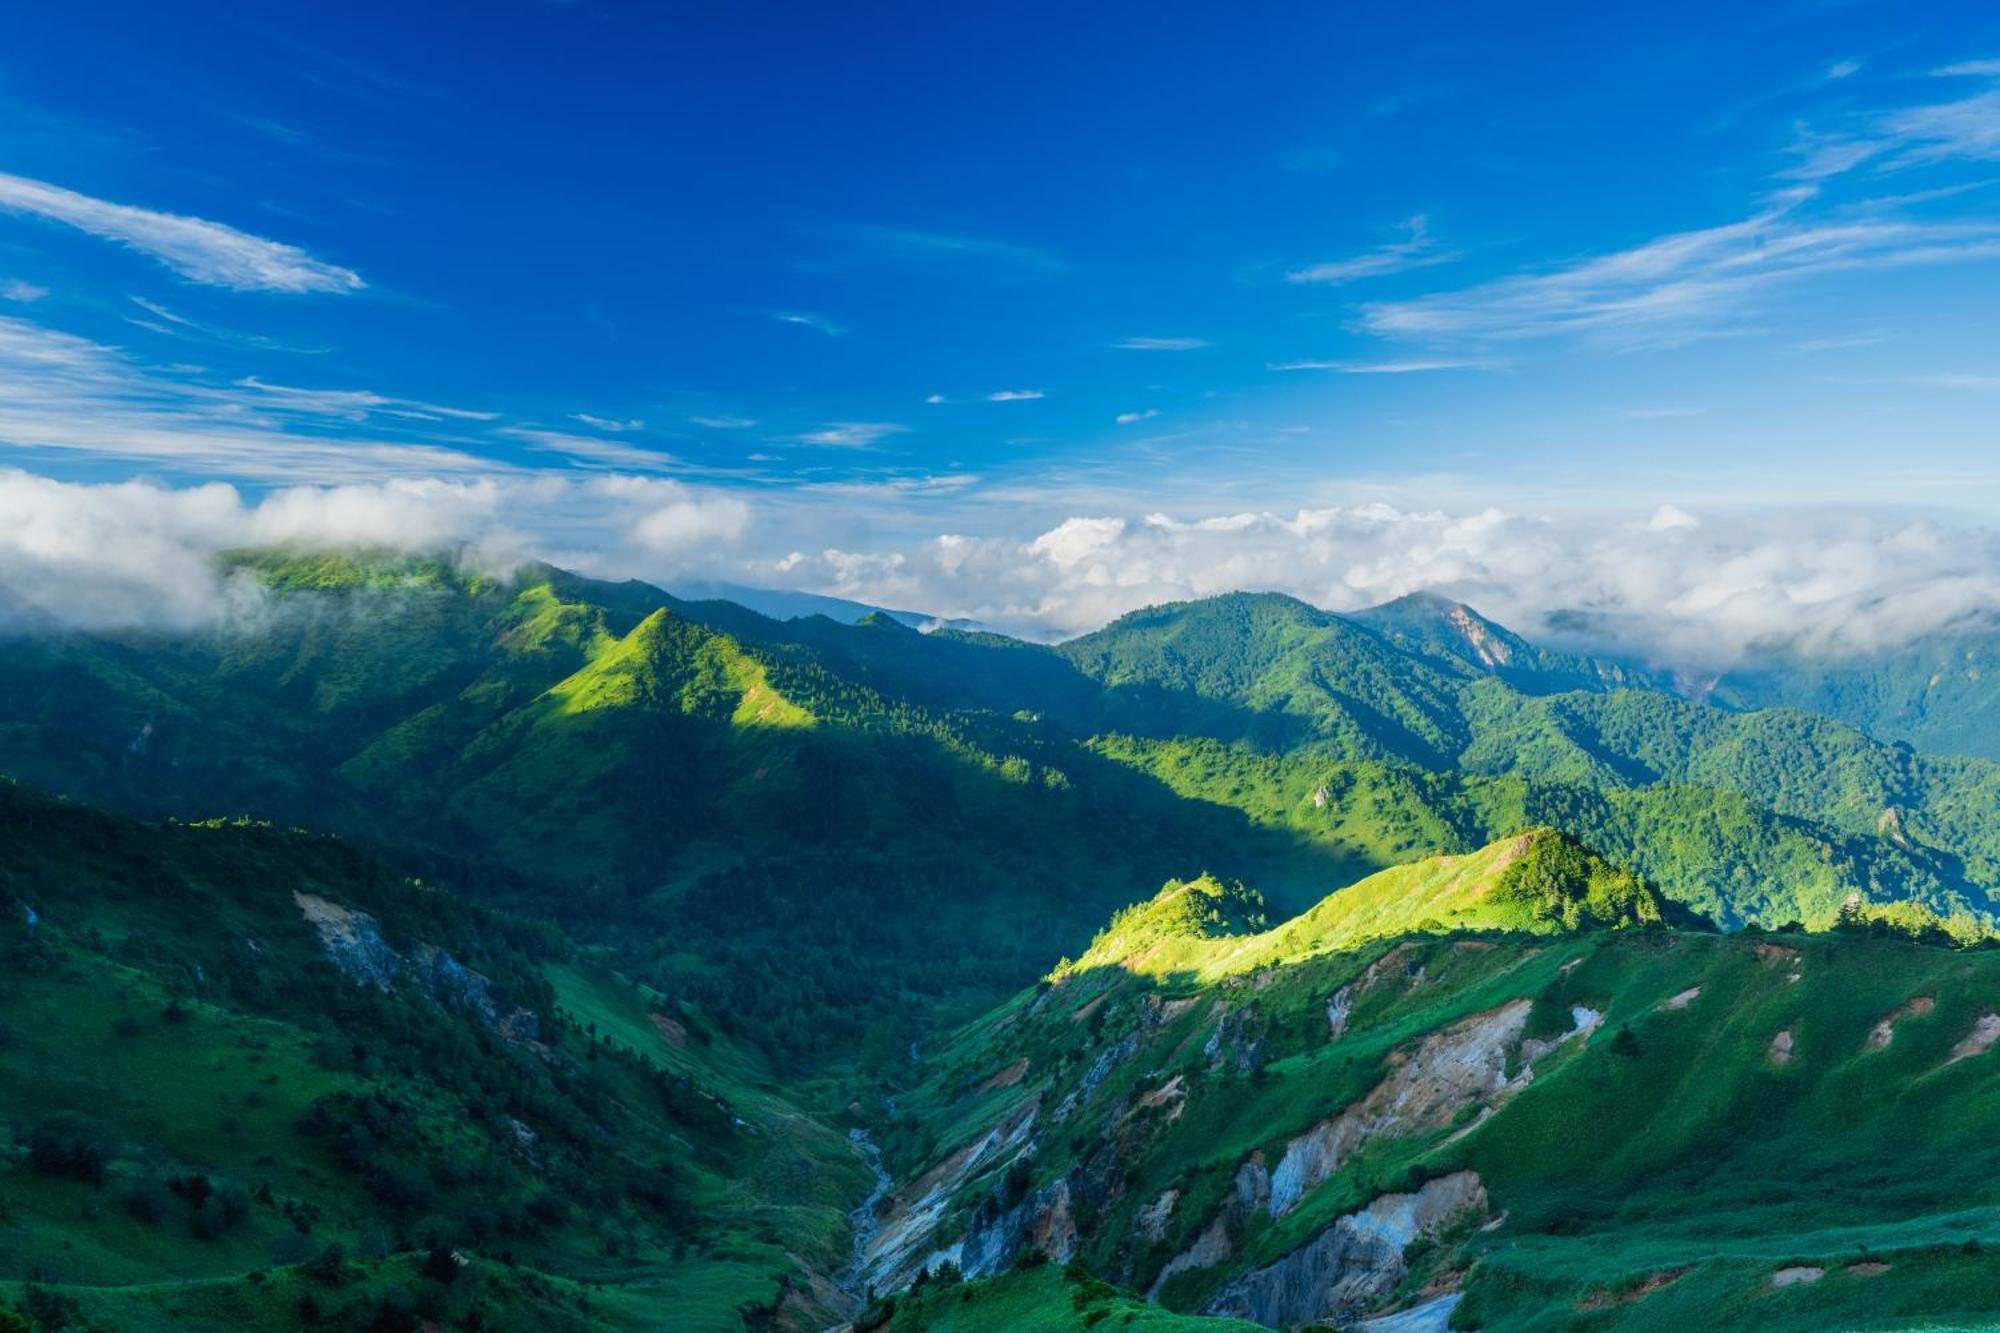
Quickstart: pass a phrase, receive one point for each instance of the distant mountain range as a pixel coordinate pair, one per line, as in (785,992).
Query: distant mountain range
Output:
(1932,690)
(789,604)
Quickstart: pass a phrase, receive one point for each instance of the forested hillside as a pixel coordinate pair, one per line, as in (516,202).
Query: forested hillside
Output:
(506,949)
(711,791)
(254,1078)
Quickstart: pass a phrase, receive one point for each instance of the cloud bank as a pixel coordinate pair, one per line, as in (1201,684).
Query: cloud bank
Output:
(140,556)
(1681,588)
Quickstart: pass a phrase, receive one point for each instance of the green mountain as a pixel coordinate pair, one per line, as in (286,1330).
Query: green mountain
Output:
(254,1078)
(505,949)
(1495,1091)
(1935,692)
(757,813)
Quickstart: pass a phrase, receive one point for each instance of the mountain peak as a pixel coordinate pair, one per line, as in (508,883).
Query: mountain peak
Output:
(1434,620)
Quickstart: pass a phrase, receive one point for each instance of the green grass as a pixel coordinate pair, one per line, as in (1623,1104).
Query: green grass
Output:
(1668,1140)
(1539,883)
(1040,1300)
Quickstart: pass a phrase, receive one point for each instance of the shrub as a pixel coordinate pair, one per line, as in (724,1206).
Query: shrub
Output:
(66,1144)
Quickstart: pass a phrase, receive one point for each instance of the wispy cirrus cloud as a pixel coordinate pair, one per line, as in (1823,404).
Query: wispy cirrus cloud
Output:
(1686,285)
(1417,249)
(21,292)
(807,320)
(1408,367)
(870,243)
(1161,344)
(611,424)
(997,396)
(1713,281)
(173,323)
(201,251)
(1133,418)
(359,404)
(593,451)
(67,395)
(850,434)
(1964,128)
(1975,382)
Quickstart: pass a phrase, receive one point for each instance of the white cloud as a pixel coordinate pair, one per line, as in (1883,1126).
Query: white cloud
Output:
(611,424)
(26,293)
(1416,250)
(140,555)
(1961,129)
(1160,344)
(724,423)
(1669,517)
(851,434)
(1130,418)
(1014,395)
(1686,590)
(1840,342)
(1976,383)
(593,451)
(202,251)
(63,394)
(1417,366)
(679,524)
(808,321)
(359,404)
(1687,285)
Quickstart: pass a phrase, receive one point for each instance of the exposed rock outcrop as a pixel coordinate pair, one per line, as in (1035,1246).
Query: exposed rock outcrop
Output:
(351,939)
(354,943)
(1460,1066)
(1432,1316)
(907,1221)
(1978,1041)
(1353,1264)
(1237,1042)
(1249,1193)
(1044,1221)
(1151,1221)
(1884,1032)
(1781,1047)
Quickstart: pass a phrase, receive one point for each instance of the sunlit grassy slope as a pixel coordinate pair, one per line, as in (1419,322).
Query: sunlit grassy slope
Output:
(1541,882)
(1733,1107)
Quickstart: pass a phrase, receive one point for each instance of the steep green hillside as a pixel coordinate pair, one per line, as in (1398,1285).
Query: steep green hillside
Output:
(760,814)
(758,819)
(1936,692)
(1536,1116)
(252,1076)
(1539,883)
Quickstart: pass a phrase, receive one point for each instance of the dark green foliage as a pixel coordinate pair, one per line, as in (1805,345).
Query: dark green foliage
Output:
(69,1144)
(1558,879)
(647,867)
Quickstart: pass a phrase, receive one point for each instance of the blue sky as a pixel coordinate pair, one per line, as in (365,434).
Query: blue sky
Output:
(821,281)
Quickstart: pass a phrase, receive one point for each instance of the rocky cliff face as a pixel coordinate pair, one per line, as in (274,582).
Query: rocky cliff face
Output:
(354,943)
(1463,1065)
(1354,1263)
